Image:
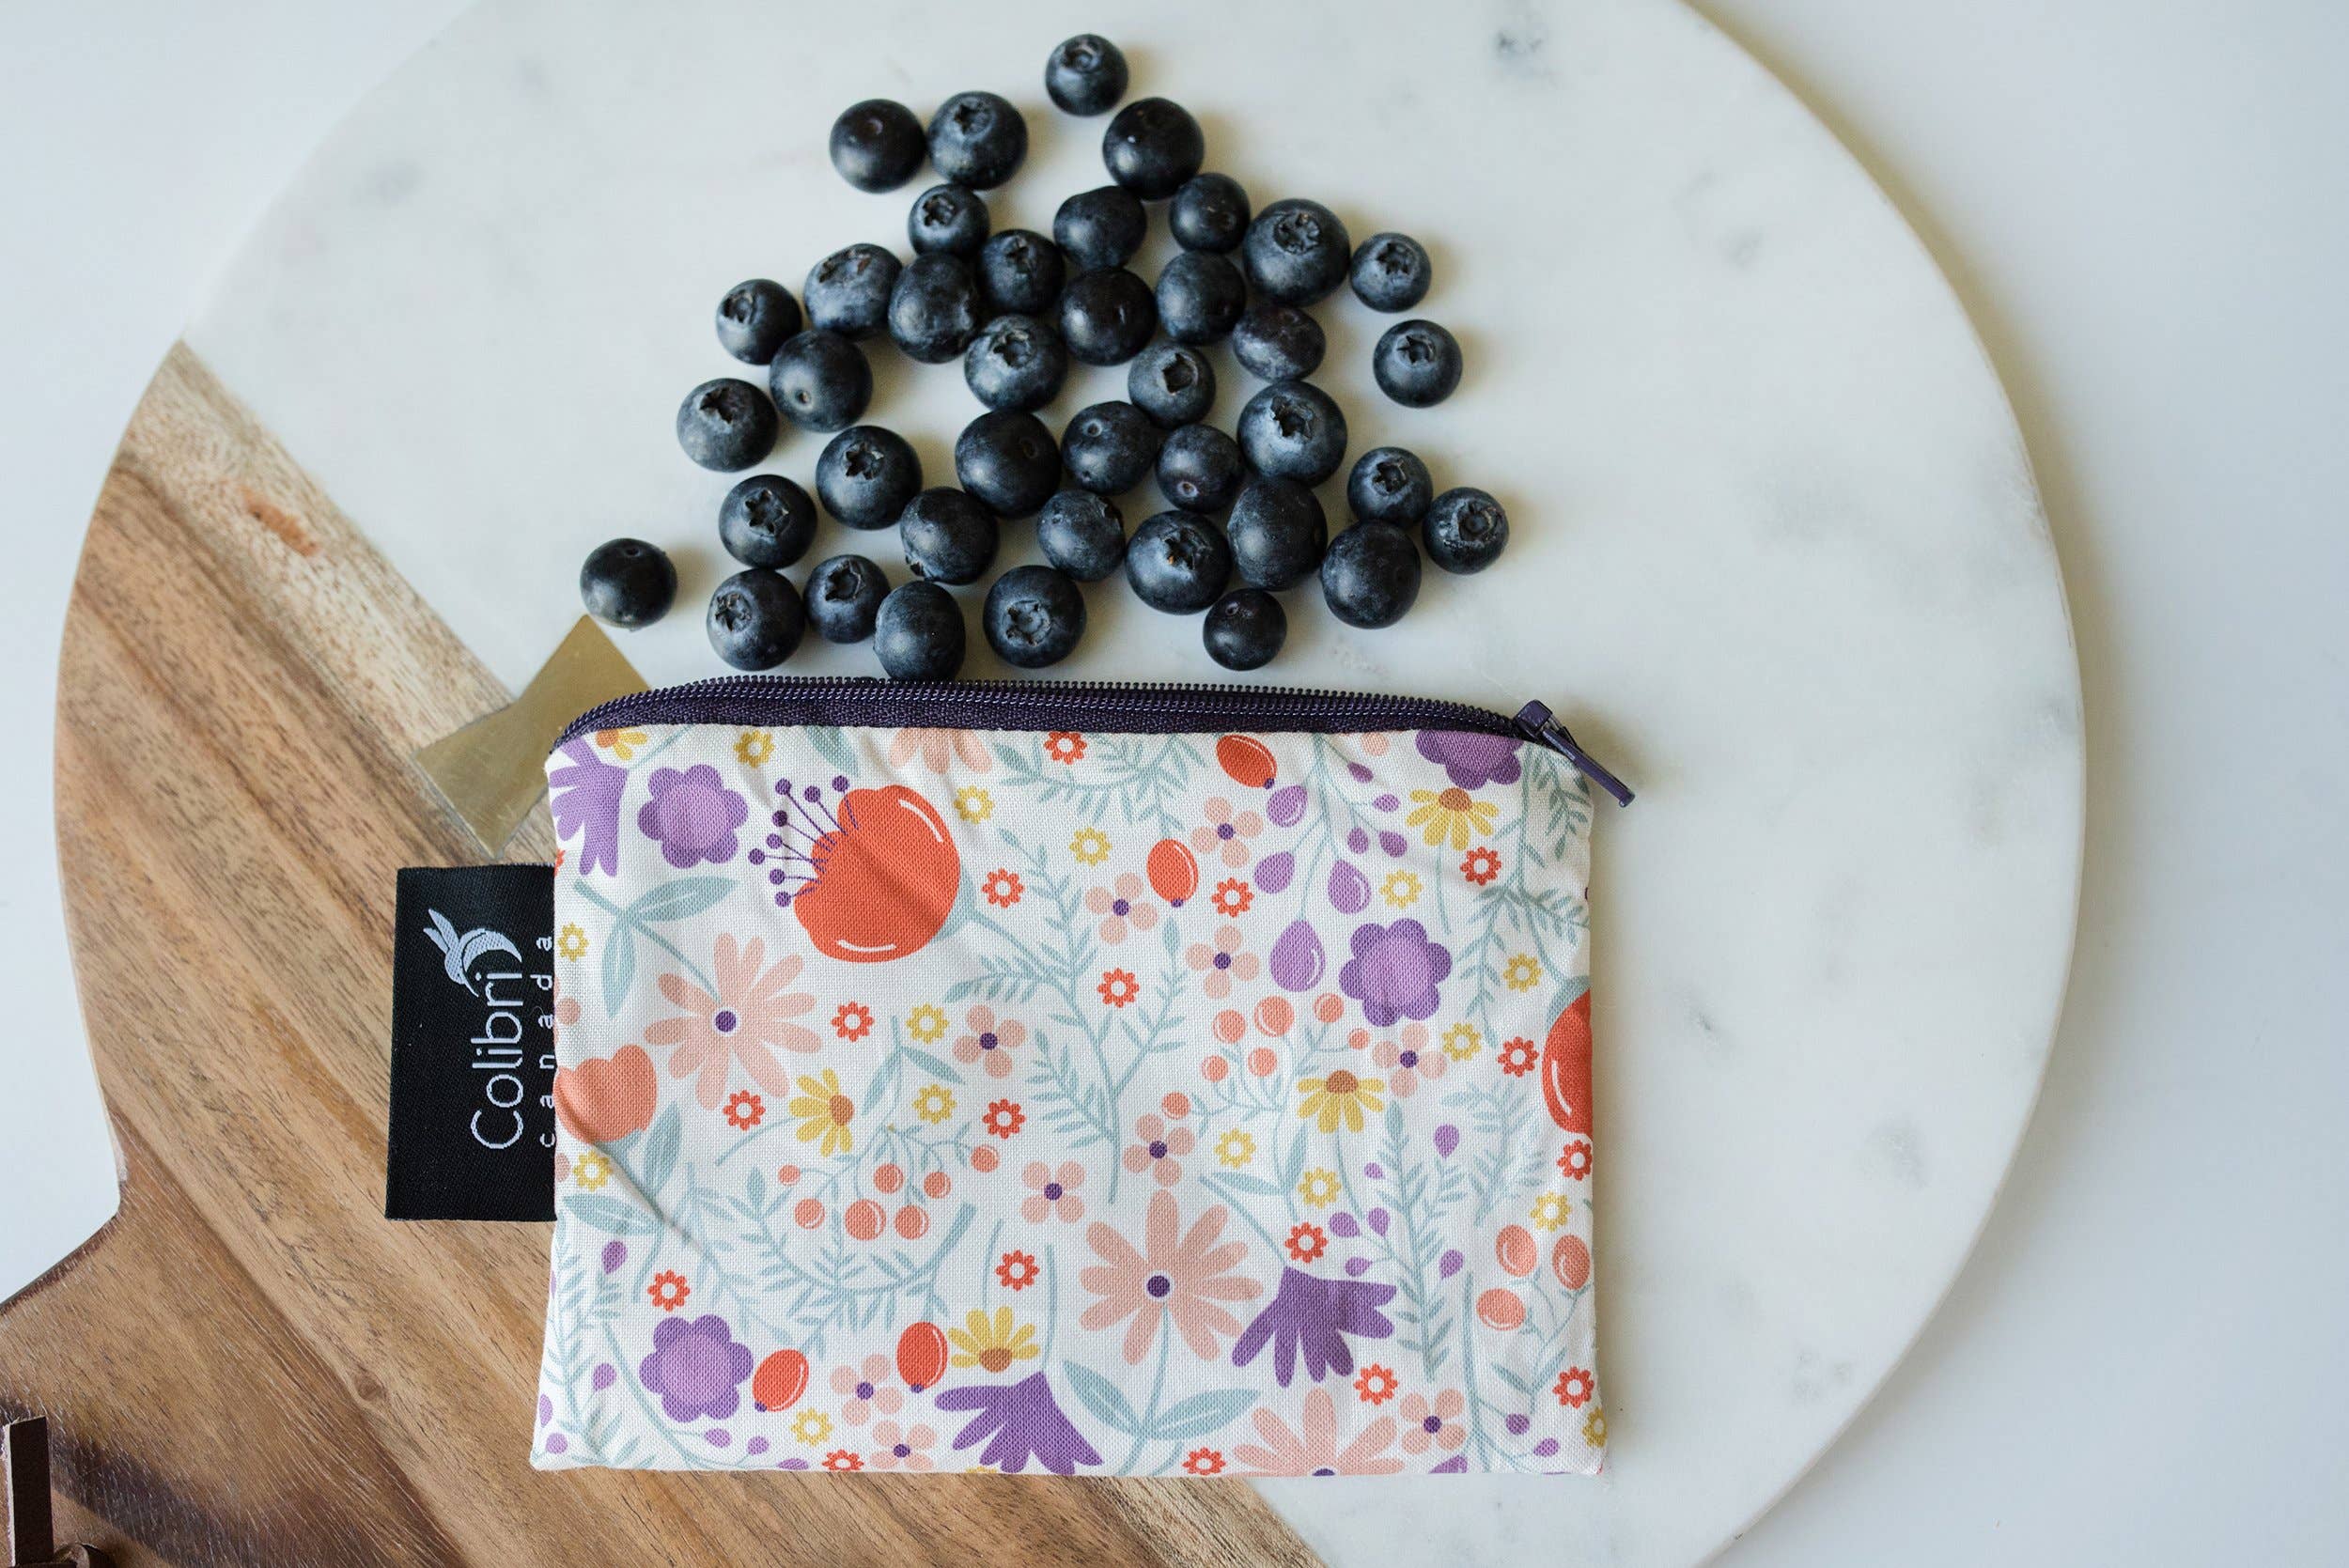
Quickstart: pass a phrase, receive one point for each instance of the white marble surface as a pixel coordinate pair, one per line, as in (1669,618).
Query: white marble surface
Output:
(1777,555)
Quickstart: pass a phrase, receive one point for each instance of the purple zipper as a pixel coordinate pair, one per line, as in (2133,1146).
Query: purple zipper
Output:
(1124,707)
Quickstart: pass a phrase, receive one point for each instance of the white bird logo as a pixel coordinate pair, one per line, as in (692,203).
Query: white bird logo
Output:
(458,952)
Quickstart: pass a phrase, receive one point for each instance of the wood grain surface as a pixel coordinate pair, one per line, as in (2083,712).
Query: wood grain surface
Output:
(250,1366)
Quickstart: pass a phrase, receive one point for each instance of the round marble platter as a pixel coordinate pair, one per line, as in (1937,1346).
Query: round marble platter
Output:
(1777,557)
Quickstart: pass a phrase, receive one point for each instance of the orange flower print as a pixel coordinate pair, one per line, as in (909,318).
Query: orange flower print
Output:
(1232,895)
(605,1098)
(1518,1056)
(939,750)
(1225,832)
(668,1290)
(1432,1422)
(988,1040)
(1408,1062)
(745,1022)
(1481,864)
(1576,1161)
(853,1021)
(1003,887)
(1004,1117)
(744,1110)
(1018,1270)
(1053,1193)
(1376,1385)
(840,1459)
(1160,1149)
(1182,1278)
(1123,906)
(1307,1242)
(1219,965)
(1574,1388)
(1064,746)
(1204,1462)
(1118,987)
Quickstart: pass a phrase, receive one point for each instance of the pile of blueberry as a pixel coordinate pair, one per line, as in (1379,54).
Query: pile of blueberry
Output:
(1016,307)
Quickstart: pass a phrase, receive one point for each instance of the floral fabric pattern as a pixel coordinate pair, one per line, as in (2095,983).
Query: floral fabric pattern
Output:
(1074,1103)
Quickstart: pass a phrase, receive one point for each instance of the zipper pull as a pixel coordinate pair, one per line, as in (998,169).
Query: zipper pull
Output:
(1542,727)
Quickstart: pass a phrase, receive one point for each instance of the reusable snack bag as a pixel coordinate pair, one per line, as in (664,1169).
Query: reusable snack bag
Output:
(1077,1079)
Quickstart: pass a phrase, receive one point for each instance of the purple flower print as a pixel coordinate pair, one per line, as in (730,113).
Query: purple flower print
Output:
(692,815)
(1471,759)
(586,798)
(695,1367)
(1020,1421)
(1394,971)
(1314,1315)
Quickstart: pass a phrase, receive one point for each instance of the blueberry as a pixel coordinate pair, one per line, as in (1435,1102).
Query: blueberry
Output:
(1200,296)
(1178,563)
(1110,448)
(844,594)
(725,424)
(1278,534)
(767,521)
(1292,431)
(1199,469)
(1085,75)
(876,144)
(1465,530)
(1278,343)
(1417,363)
(820,380)
(1244,628)
(866,475)
(1021,271)
(1210,214)
(1100,228)
(1296,252)
(1371,574)
(1034,617)
(1389,485)
(848,292)
(1082,533)
(947,218)
(755,620)
(1152,146)
(948,536)
(1390,271)
(977,139)
(1015,362)
(627,582)
(918,634)
(1008,461)
(754,319)
(1173,384)
(1107,316)
(934,309)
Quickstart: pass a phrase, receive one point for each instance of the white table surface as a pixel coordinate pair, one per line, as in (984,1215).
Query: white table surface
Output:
(2129,1370)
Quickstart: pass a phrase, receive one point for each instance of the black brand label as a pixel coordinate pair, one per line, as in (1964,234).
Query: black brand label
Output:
(472,1045)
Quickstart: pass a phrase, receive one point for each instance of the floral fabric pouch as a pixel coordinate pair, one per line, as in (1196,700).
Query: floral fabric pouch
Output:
(1113,1079)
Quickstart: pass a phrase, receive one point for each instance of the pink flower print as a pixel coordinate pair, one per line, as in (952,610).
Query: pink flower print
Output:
(1427,1421)
(1053,1192)
(1313,1448)
(1408,1060)
(866,1388)
(1183,1278)
(939,750)
(748,1017)
(1160,1149)
(1124,906)
(902,1447)
(1222,963)
(1226,833)
(990,1040)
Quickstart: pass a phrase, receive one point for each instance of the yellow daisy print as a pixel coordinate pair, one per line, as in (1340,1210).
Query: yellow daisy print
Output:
(590,1170)
(1462,1041)
(1550,1212)
(621,743)
(1402,889)
(572,943)
(1235,1148)
(1091,846)
(752,748)
(824,1111)
(1342,1096)
(926,1024)
(811,1427)
(1453,814)
(993,1344)
(1594,1428)
(974,805)
(934,1103)
(1522,972)
(1318,1188)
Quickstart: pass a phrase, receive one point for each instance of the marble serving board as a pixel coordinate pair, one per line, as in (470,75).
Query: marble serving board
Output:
(1777,557)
